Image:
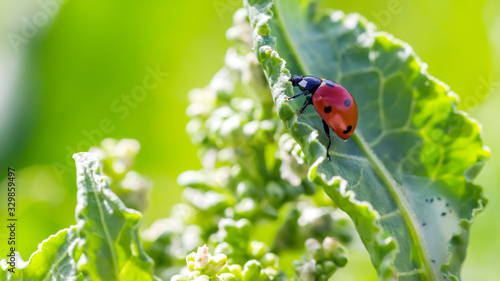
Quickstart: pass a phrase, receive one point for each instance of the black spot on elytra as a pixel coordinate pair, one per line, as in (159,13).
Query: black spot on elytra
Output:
(439,198)
(347,102)
(432,200)
(424,224)
(327,109)
(443,214)
(348,129)
(447,204)
(433,261)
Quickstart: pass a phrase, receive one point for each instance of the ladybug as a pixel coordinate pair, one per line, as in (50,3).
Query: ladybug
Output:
(334,104)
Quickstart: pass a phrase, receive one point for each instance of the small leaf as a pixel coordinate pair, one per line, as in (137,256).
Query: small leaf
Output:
(405,175)
(52,260)
(109,246)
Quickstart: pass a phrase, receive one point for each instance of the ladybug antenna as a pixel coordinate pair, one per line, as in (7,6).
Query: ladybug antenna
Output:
(295,79)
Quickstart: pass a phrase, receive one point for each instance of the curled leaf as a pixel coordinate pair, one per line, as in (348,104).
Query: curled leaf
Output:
(109,247)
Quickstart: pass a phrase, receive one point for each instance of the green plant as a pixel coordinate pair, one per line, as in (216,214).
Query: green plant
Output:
(404,178)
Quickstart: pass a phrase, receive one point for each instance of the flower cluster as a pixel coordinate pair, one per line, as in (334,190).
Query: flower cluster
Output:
(201,266)
(320,261)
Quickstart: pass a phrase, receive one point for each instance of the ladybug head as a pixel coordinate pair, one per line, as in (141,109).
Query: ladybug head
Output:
(295,79)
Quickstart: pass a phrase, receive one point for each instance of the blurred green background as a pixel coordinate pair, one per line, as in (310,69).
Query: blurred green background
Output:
(78,65)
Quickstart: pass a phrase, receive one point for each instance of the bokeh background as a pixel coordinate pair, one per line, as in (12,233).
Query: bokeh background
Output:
(66,66)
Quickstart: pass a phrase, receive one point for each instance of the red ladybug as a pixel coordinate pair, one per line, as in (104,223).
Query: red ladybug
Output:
(334,104)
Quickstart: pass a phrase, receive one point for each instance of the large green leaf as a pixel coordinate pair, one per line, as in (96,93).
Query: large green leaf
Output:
(109,247)
(52,260)
(405,175)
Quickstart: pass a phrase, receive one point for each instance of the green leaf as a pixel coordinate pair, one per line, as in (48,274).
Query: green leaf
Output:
(109,246)
(405,175)
(51,261)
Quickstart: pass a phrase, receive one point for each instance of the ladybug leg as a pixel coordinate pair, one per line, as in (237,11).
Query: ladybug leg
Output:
(306,92)
(327,132)
(306,104)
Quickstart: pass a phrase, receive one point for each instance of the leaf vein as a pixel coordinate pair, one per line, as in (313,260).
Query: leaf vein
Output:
(104,225)
(399,199)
